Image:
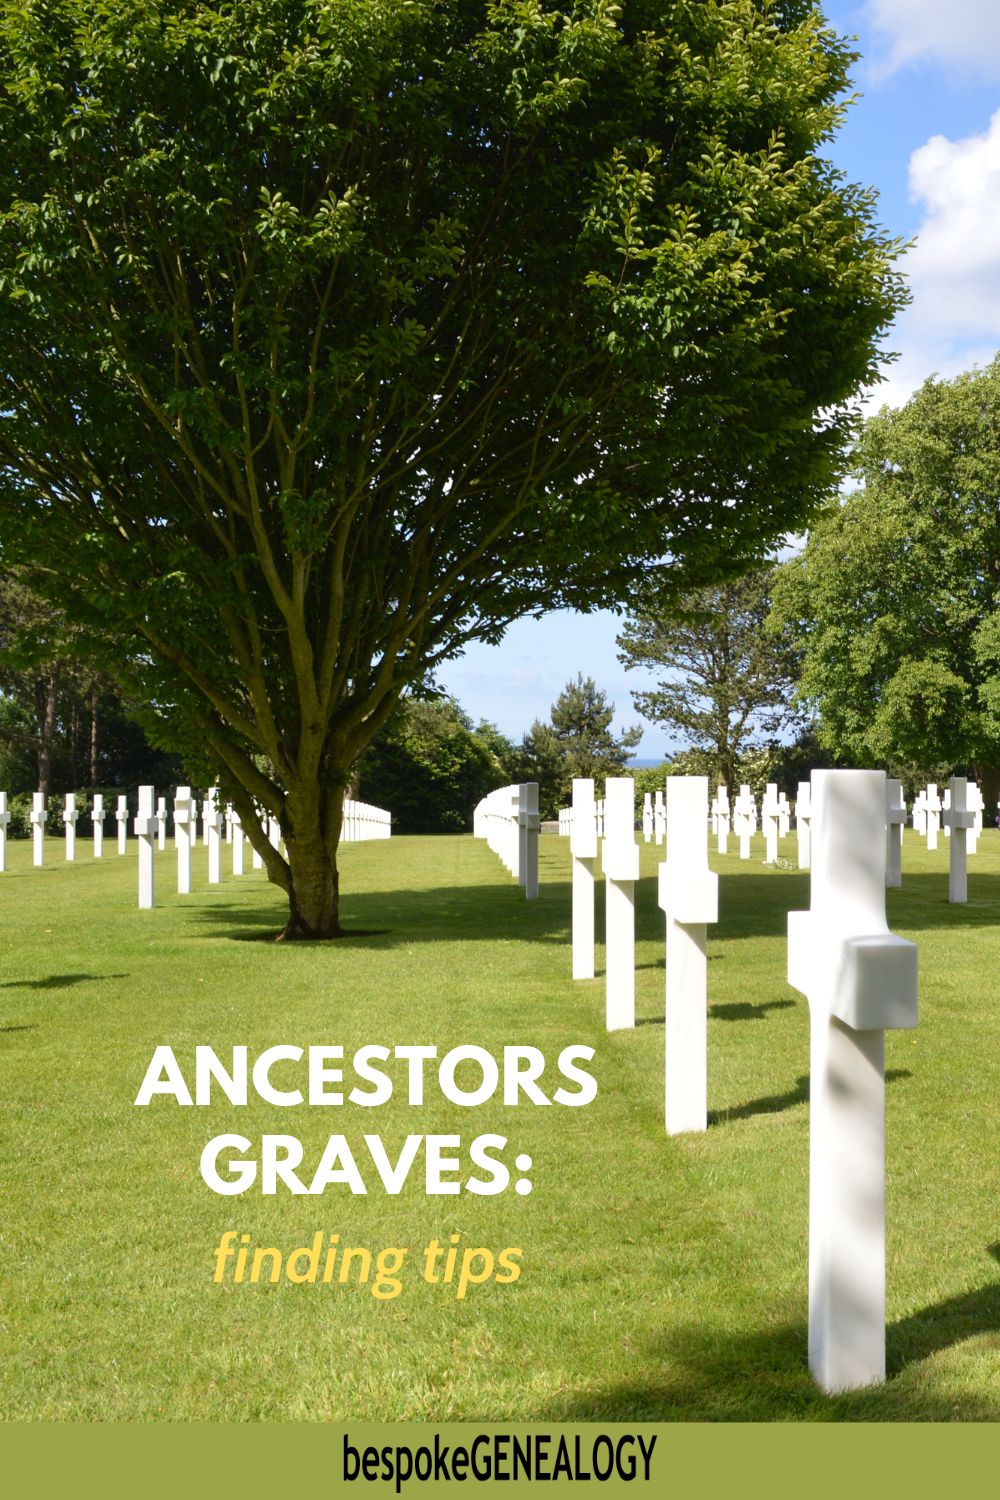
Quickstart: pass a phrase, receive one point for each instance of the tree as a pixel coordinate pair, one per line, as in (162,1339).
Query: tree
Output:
(339,333)
(895,600)
(730,682)
(430,767)
(577,741)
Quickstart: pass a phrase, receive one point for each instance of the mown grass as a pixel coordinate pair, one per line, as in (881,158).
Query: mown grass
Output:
(663,1278)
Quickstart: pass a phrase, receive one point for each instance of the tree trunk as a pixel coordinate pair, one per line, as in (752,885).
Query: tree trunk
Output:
(989,779)
(93,733)
(47,729)
(311,827)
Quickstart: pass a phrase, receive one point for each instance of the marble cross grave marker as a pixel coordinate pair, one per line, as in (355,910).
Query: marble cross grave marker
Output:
(97,823)
(528,826)
(746,819)
(689,896)
(895,822)
(933,804)
(211,822)
(860,980)
(770,813)
(161,822)
(620,862)
(583,849)
(959,819)
(647,817)
(236,825)
(722,830)
(70,815)
(659,818)
(38,828)
(803,816)
(4,820)
(183,816)
(145,827)
(121,813)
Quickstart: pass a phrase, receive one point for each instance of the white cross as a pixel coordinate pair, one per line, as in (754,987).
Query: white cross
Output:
(583,850)
(860,980)
(211,822)
(183,808)
(722,798)
(122,816)
(70,815)
(895,822)
(4,820)
(746,816)
(620,863)
(38,827)
(770,812)
(689,895)
(803,814)
(647,817)
(145,828)
(97,823)
(958,818)
(933,805)
(528,825)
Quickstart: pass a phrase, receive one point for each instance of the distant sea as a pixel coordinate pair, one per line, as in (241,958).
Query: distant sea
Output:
(641,764)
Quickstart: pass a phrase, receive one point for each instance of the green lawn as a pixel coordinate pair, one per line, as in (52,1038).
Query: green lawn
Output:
(662,1278)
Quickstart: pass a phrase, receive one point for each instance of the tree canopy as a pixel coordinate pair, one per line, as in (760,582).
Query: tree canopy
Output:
(577,741)
(338,333)
(896,598)
(726,682)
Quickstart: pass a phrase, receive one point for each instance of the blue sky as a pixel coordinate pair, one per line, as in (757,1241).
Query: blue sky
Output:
(926,134)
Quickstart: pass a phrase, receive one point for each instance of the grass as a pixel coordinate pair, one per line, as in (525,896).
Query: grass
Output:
(663,1278)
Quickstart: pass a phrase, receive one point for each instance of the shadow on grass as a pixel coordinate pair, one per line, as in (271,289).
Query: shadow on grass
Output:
(57,981)
(30,1026)
(773,1104)
(702,1372)
(757,905)
(744,1011)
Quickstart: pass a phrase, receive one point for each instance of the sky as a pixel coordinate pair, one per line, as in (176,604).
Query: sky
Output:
(925,132)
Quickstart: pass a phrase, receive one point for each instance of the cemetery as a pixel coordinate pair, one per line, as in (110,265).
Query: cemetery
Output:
(669,1266)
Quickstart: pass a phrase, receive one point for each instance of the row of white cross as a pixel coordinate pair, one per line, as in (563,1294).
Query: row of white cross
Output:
(361,821)
(508,820)
(859,978)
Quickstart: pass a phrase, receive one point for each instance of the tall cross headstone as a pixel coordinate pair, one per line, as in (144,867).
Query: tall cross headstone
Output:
(770,812)
(97,823)
(689,896)
(145,827)
(895,822)
(121,814)
(722,831)
(920,814)
(784,815)
(620,862)
(746,812)
(860,980)
(933,815)
(161,822)
(647,817)
(236,824)
(210,823)
(184,814)
(583,849)
(38,828)
(977,805)
(958,819)
(945,807)
(659,818)
(4,820)
(803,817)
(70,815)
(528,825)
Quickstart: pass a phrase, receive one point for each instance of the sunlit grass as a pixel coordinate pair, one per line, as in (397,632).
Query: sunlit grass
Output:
(663,1278)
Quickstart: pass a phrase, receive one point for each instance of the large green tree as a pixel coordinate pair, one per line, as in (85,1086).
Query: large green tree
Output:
(578,740)
(338,333)
(896,598)
(726,683)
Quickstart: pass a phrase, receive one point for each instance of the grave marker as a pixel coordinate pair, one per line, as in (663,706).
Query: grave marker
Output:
(895,821)
(770,812)
(4,820)
(746,819)
(70,816)
(860,980)
(37,828)
(659,818)
(184,814)
(161,823)
(583,849)
(145,827)
(236,824)
(933,815)
(647,817)
(722,831)
(122,816)
(527,842)
(689,897)
(803,817)
(958,820)
(620,862)
(97,823)
(210,822)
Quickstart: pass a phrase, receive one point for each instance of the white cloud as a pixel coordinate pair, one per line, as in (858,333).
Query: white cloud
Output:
(953,269)
(958,34)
